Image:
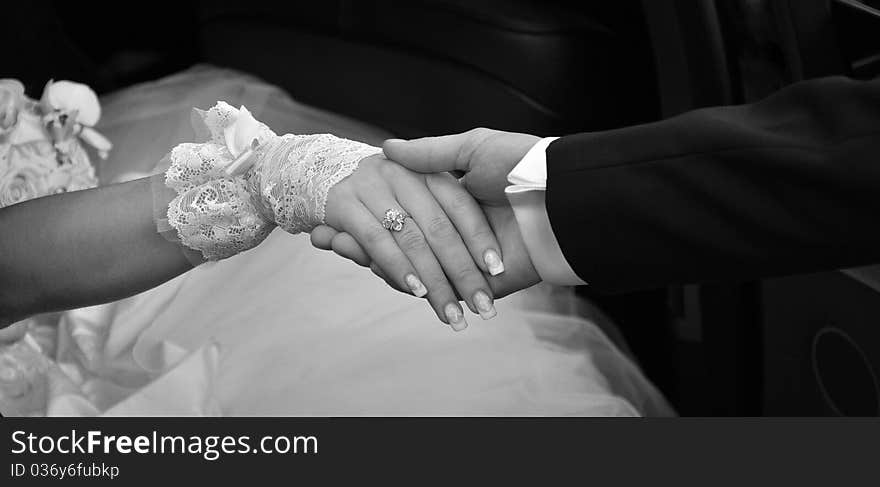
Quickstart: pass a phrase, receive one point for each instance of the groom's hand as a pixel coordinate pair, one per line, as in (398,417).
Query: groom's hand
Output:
(485,157)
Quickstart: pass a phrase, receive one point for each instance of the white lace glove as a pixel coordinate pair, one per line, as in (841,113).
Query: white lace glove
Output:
(232,190)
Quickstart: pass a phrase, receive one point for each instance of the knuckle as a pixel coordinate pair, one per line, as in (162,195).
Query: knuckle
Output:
(371,184)
(440,228)
(461,202)
(434,279)
(374,235)
(368,178)
(370,162)
(482,234)
(412,241)
(439,288)
(464,274)
(390,170)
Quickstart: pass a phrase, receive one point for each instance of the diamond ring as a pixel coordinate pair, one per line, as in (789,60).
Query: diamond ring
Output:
(394,220)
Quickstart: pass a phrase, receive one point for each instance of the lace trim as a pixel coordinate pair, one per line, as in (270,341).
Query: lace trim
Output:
(220,215)
(218,218)
(297,173)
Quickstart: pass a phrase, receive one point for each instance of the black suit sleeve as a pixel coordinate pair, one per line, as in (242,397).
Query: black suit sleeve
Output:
(787,185)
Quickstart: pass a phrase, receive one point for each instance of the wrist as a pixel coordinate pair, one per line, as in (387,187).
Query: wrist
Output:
(296,174)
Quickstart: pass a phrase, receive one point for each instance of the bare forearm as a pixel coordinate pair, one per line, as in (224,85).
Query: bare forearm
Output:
(82,248)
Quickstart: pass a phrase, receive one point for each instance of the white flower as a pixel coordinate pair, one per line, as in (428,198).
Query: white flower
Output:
(236,130)
(11,102)
(243,136)
(73,98)
(241,133)
(73,108)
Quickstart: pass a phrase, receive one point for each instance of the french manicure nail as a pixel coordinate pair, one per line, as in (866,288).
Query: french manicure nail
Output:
(455,316)
(493,262)
(484,305)
(416,286)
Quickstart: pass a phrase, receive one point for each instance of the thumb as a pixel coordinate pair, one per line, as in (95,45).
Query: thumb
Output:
(431,154)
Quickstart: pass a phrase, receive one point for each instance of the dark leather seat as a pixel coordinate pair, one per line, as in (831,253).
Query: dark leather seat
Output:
(428,67)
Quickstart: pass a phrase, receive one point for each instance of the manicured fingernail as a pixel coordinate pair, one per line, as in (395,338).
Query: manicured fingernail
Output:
(484,305)
(455,316)
(493,262)
(416,286)
(395,141)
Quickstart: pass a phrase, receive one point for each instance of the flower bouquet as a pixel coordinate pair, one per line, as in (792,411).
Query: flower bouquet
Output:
(41,141)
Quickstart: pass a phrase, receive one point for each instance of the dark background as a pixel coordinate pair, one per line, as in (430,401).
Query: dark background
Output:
(436,66)
(424,67)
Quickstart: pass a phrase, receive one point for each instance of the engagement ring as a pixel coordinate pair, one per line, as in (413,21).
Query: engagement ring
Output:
(394,220)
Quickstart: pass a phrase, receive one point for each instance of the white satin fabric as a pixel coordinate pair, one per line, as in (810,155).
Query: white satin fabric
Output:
(285,329)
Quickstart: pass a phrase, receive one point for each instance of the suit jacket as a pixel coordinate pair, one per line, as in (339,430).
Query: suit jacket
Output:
(786,185)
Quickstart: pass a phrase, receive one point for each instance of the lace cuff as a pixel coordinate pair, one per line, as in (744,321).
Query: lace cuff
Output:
(225,196)
(297,172)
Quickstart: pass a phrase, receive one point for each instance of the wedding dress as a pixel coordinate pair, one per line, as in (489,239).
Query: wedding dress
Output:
(285,329)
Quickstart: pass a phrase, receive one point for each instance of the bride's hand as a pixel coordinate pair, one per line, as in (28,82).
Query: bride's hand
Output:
(447,237)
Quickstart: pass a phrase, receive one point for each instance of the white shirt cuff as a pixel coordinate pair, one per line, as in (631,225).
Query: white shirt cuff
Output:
(527,197)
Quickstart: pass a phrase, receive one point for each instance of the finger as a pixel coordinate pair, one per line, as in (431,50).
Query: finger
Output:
(346,246)
(436,154)
(432,281)
(381,247)
(381,275)
(446,244)
(321,237)
(469,219)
